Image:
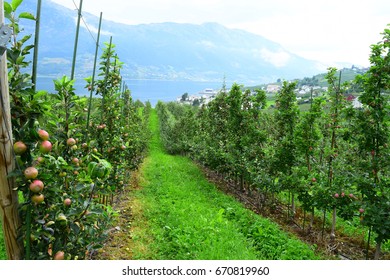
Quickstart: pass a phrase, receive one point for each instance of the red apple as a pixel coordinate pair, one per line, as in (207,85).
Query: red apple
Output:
(20,148)
(60,255)
(45,147)
(67,201)
(43,134)
(75,161)
(336,195)
(36,186)
(71,142)
(361,210)
(31,173)
(313,180)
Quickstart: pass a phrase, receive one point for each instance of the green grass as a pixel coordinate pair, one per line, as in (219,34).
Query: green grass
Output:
(3,255)
(189,218)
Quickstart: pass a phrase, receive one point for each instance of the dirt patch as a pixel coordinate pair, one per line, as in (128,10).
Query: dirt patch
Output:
(344,247)
(120,242)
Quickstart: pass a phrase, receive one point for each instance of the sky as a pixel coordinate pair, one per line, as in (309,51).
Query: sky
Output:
(331,32)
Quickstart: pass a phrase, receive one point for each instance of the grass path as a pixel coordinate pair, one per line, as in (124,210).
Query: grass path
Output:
(3,255)
(178,214)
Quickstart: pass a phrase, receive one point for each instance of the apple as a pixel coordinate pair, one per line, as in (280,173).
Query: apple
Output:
(40,159)
(351,195)
(123,147)
(31,173)
(75,161)
(37,198)
(361,210)
(342,194)
(336,195)
(313,180)
(45,147)
(61,218)
(84,145)
(43,134)
(71,142)
(60,255)
(62,174)
(36,186)
(67,202)
(20,148)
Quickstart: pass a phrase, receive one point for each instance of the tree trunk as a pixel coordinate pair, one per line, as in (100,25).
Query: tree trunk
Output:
(8,197)
(293,205)
(311,220)
(378,250)
(333,231)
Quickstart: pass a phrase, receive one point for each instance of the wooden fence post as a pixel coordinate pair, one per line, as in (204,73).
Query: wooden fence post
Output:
(8,197)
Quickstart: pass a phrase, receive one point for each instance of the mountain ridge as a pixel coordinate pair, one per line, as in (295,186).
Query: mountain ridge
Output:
(167,51)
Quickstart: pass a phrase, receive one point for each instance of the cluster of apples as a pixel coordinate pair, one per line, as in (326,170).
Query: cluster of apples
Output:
(31,173)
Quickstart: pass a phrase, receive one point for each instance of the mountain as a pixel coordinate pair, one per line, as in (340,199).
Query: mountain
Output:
(167,51)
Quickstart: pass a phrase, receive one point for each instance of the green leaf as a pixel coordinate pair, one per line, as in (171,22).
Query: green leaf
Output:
(27,15)
(7,8)
(39,94)
(15,4)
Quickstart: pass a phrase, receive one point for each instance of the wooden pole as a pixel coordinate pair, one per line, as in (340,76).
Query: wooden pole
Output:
(8,197)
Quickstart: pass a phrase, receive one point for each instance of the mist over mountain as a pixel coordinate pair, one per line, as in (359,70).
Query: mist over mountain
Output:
(166,51)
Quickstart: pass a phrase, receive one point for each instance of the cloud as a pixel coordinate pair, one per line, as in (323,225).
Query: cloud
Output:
(55,60)
(279,58)
(91,27)
(207,44)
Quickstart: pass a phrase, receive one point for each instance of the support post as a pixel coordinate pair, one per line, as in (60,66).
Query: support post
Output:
(93,74)
(8,197)
(36,44)
(76,41)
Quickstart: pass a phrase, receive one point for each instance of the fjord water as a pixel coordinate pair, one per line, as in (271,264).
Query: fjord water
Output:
(144,90)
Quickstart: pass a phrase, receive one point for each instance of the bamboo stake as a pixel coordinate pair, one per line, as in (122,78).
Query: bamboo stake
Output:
(8,197)
(93,73)
(76,40)
(36,43)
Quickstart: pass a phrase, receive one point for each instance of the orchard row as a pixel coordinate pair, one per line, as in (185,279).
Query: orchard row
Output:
(73,154)
(332,158)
